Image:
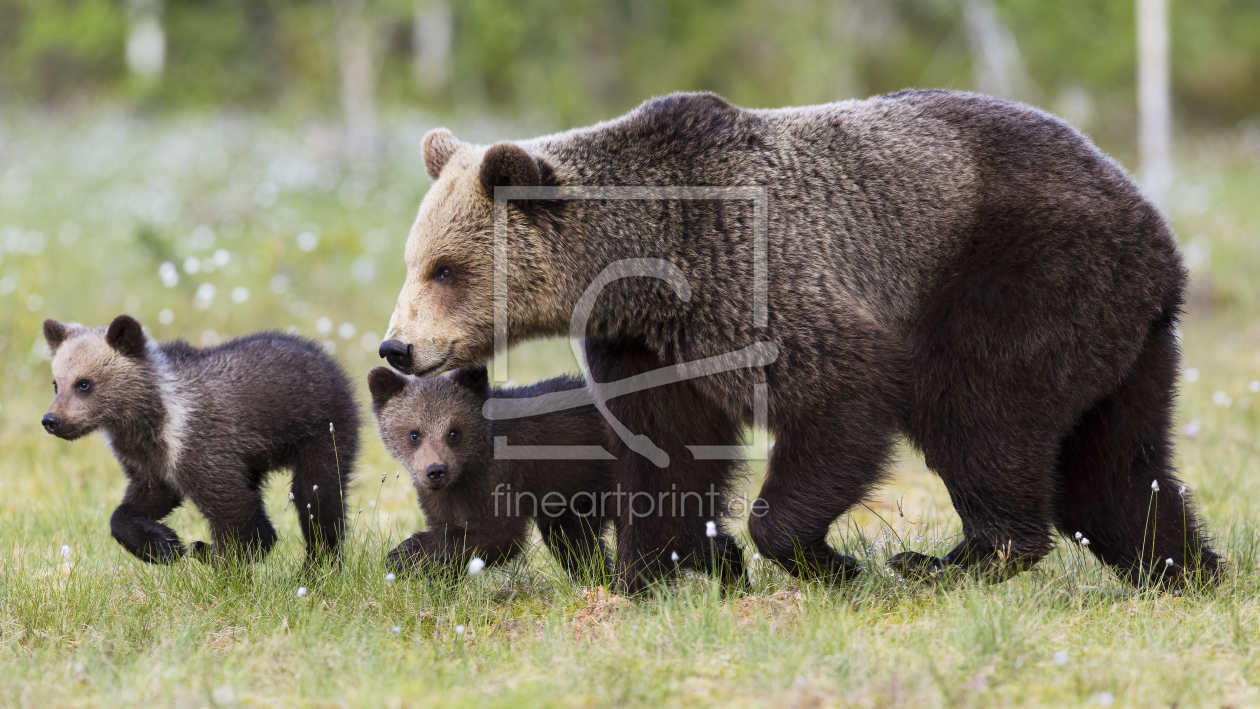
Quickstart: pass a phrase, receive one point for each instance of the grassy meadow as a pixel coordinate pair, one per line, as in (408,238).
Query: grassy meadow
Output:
(263,227)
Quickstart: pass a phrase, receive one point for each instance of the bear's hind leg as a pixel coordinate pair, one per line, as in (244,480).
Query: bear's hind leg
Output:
(238,520)
(319,479)
(1108,464)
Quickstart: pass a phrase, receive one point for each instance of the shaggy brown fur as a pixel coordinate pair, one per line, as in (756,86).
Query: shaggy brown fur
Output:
(476,504)
(970,272)
(209,425)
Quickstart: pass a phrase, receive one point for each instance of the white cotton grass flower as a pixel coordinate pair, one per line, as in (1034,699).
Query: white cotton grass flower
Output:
(756,556)
(389,578)
(65,551)
(290,496)
(1220,398)
(1154,486)
(459,630)
(710,529)
(383,476)
(1078,536)
(1061,657)
(331,428)
(1168,562)
(1181,490)
(1254,386)
(395,630)
(314,488)
(312,517)
(476,565)
(1106,699)
(673,556)
(301,593)
(1192,374)
(1084,541)
(78,667)
(308,505)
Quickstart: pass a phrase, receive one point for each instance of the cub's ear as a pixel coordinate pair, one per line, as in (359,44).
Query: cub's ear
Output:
(55,334)
(126,336)
(439,144)
(385,384)
(476,379)
(508,165)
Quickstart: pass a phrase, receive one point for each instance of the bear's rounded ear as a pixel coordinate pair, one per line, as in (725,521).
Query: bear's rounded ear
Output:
(476,379)
(385,384)
(55,334)
(439,144)
(126,336)
(508,165)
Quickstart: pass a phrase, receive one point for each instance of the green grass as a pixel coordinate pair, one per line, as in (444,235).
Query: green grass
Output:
(113,197)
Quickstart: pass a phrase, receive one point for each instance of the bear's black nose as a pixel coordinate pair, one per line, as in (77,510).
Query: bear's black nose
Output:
(436,472)
(397,354)
(51,422)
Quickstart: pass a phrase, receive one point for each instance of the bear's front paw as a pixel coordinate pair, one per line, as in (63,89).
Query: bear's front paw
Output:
(913,565)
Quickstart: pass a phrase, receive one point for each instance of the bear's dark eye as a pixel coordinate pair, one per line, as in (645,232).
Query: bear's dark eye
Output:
(54,387)
(84,386)
(415,436)
(453,435)
(443,273)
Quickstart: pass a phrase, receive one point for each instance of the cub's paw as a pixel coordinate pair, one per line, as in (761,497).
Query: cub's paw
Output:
(157,543)
(915,566)
(202,552)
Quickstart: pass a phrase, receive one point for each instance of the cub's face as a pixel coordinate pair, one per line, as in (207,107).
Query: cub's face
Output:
(433,427)
(97,375)
(445,313)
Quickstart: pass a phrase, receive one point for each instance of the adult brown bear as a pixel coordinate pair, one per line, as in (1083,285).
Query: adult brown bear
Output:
(970,272)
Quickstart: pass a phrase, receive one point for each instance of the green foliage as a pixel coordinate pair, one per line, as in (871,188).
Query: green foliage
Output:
(571,62)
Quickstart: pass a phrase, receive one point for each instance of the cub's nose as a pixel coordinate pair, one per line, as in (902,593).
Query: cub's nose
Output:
(397,354)
(51,422)
(436,472)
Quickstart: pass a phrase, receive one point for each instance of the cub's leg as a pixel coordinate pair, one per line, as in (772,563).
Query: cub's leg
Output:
(320,476)
(449,548)
(576,542)
(238,521)
(135,523)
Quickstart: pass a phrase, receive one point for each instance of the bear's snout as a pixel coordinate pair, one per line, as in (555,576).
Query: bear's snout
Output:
(397,354)
(436,472)
(51,422)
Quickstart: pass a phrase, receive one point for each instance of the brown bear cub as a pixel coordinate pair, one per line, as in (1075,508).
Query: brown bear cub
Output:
(209,424)
(476,503)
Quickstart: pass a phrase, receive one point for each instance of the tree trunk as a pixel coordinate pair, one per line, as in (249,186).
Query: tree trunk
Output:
(146,42)
(358,80)
(996,64)
(432,31)
(1154,100)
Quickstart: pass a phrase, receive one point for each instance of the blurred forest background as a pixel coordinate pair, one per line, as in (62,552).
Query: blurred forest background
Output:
(561,63)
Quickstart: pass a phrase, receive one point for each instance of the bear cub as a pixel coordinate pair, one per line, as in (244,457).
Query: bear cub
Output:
(478,504)
(208,425)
